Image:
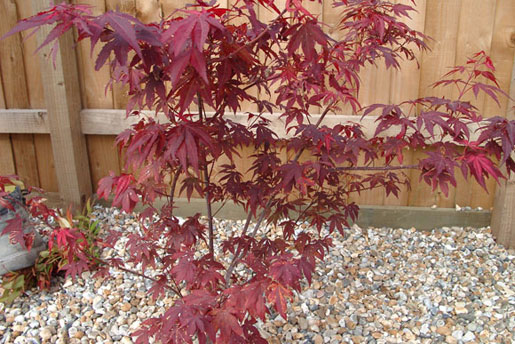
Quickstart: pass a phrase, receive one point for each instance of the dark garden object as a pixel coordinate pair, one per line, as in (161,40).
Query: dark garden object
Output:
(15,256)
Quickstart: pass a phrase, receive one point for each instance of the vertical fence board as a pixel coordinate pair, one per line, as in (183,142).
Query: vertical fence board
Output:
(103,157)
(39,161)
(474,35)
(45,163)
(25,158)
(6,152)
(31,61)
(404,86)
(93,82)
(503,215)
(6,156)
(441,24)
(378,78)
(120,92)
(62,96)
(15,92)
(502,52)
(11,60)
(95,96)
(331,17)
(266,16)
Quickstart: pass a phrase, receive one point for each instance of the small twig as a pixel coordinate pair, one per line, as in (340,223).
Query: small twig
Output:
(376,168)
(136,273)
(239,254)
(172,191)
(205,172)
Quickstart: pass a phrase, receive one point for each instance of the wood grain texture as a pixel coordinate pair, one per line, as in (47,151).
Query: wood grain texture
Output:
(45,163)
(15,92)
(25,158)
(6,156)
(441,25)
(502,51)
(31,60)
(93,82)
(62,96)
(96,96)
(404,86)
(474,35)
(169,7)
(503,215)
(2,100)
(148,11)
(103,157)
(11,60)
(26,121)
(120,92)
(266,16)
(6,152)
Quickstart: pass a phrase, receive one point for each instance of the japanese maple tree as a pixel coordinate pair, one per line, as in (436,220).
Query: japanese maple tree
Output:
(198,67)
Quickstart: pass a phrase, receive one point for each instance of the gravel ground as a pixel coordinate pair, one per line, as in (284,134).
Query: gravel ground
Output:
(452,285)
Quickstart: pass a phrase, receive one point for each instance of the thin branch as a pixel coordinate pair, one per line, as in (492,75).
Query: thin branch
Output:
(376,168)
(205,172)
(322,116)
(134,272)
(239,254)
(174,185)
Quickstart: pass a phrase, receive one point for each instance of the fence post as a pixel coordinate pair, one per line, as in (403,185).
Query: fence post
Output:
(503,214)
(63,103)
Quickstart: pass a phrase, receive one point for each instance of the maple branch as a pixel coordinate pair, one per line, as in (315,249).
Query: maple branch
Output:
(376,168)
(237,256)
(174,185)
(205,172)
(317,124)
(136,273)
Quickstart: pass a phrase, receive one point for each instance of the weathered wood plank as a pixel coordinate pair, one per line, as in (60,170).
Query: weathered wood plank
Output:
(93,82)
(27,121)
(442,25)
(404,86)
(62,96)
(148,11)
(103,157)
(169,7)
(11,60)
(6,156)
(15,91)
(25,158)
(6,152)
(474,35)
(120,92)
(503,215)
(45,163)
(31,60)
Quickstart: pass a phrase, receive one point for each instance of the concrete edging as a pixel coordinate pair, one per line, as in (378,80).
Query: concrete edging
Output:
(422,218)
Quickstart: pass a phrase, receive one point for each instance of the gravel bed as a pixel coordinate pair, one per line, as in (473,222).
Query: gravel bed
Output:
(451,285)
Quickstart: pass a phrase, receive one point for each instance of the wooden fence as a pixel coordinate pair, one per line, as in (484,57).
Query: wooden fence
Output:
(53,130)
